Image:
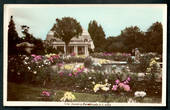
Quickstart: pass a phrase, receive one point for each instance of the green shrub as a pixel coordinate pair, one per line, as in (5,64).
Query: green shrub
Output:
(88,62)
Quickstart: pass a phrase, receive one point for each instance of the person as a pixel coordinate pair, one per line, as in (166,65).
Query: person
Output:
(137,55)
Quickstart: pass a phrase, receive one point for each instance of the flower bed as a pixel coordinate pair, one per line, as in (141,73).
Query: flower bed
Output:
(77,77)
(112,56)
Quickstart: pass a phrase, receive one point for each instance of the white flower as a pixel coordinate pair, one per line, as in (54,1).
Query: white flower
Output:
(106,80)
(131,100)
(90,77)
(93,82)
(26,58)
(86,70)
(25,63)
(35,72)
(140,94)
(29,68)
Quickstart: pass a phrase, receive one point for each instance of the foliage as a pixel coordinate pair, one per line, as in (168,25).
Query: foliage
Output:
(30,93)
(88,62)
(67,28)
(97,34)
(132,37)
(13,37)
(39,46)
(48,47)
(112,56)
(51,71)
(154,37)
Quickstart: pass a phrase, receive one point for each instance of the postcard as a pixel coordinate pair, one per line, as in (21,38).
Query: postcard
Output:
(85,55)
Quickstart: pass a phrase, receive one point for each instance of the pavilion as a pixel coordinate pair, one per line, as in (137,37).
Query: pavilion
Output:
(78,45)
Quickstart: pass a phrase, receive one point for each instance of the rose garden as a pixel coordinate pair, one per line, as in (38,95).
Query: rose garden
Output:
(102,76)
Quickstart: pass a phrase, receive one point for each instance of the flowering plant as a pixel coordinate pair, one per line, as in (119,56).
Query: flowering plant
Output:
(104,87)
(68,96)
(122,85)
(140,94)
(45,93)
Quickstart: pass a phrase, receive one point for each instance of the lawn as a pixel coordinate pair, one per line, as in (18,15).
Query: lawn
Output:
(23,92)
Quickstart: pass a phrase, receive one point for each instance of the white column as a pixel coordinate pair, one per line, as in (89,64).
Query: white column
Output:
(86,51)
(65,49)
(76,50)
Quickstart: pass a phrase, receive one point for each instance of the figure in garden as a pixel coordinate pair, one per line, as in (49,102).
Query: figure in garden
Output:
(137,55)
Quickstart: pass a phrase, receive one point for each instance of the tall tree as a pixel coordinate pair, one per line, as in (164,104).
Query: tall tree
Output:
(12,37)
(97,34)
(66,28)
(132,38)
(154,36)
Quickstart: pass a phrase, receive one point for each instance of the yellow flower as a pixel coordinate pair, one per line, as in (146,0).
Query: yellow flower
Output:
(148,70)
(68,67)
(104,61)
(97,87)
(152,62)
(49,55)
(68,96)
(80,56)
(104,87)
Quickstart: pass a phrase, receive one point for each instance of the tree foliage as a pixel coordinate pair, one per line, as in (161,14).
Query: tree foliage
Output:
(154,36)
(39,46)
(13,37)
(97,34)
(66,28)
(132,37)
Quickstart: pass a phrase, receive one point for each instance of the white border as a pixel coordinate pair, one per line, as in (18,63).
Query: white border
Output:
(40,103)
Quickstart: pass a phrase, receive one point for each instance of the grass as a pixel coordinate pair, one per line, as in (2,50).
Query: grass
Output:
(21,92)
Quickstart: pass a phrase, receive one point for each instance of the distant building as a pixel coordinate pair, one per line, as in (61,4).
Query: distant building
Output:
(79,46)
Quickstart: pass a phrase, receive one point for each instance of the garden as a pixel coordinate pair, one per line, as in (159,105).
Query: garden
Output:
(54,77)
(109,73)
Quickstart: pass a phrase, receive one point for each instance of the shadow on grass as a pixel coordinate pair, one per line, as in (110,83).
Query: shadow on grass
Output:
(21,92)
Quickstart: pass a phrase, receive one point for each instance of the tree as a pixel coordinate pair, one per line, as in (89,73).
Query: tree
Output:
(13,38)
(97,34)
(39,46)
(154,36)
(132,38)
(66,28)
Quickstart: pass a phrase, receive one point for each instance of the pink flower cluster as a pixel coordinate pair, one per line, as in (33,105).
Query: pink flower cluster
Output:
(53,57)
(122,85)
(36,57)
(79,70)
(107,54)
(45,93)
(75,73)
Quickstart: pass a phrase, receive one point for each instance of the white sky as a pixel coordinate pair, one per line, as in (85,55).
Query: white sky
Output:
(113,18)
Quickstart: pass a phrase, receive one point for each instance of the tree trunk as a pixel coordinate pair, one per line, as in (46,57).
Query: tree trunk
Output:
(66,49)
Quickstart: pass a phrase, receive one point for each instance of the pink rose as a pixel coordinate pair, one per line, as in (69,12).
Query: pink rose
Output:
(121,85)
(117,81)
(128,79)
(126,82)
(126,88)
(70,74)
(45,93)
(114,88)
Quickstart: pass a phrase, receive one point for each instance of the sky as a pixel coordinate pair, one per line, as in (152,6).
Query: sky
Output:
(113,18)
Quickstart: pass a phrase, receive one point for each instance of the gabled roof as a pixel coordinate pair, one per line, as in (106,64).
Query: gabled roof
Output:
(85,35)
